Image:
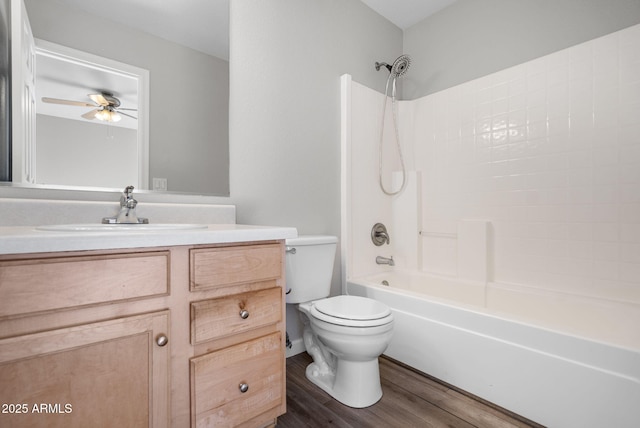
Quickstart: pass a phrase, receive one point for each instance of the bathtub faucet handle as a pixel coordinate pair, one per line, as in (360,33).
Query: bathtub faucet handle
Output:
(379,235)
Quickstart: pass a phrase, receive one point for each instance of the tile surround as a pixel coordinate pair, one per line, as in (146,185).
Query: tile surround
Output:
(547,151)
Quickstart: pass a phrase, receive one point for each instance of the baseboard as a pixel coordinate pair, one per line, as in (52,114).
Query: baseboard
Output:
(297,347)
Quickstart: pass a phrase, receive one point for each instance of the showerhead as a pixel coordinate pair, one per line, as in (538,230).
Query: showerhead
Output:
(399,66)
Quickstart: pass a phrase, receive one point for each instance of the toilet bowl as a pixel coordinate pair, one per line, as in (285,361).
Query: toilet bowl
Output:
(347,367)
(344,335)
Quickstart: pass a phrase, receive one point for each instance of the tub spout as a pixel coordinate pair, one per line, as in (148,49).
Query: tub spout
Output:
(385,261)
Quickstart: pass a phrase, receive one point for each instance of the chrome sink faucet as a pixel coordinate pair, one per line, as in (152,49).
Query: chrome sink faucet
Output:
(127,212)
(127,207)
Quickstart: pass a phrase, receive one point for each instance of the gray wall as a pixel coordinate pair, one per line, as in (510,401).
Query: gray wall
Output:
(85,153)
(189,94)
(286,60)
(473,38)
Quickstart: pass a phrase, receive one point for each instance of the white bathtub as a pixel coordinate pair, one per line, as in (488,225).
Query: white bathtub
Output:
(560,362)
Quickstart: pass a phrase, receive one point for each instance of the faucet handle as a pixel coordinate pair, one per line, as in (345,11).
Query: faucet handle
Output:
(379,235)
(126,197)
(127,210)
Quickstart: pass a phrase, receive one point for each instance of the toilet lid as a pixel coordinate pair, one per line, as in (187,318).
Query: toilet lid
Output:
(352,308)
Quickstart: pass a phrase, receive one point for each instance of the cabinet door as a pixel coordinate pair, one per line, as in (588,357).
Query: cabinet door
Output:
(104,374)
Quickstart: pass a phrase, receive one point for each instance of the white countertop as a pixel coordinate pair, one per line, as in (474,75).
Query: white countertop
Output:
(27,239)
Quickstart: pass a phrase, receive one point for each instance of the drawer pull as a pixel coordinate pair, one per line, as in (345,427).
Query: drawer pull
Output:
(162,339)
(244,387)
(244,314)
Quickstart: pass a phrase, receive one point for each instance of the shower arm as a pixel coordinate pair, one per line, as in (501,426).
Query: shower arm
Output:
(382,64)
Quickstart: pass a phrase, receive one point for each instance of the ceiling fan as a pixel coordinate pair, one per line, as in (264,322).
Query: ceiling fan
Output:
(106,107)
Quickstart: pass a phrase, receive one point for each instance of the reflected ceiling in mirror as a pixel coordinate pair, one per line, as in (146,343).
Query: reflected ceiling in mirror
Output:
(202,25)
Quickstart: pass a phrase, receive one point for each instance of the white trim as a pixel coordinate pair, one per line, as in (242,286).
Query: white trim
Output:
(345,179)
(297,347)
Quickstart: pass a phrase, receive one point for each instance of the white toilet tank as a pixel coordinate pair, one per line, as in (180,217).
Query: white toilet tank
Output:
(309,267)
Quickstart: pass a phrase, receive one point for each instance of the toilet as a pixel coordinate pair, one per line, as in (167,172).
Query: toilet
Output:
(344,335)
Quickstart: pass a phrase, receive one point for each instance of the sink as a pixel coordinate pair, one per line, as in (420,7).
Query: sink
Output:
(120,227)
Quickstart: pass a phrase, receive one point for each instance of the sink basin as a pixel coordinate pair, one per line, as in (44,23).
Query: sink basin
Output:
(120,227)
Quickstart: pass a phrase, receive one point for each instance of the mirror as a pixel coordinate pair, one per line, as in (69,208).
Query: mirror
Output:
(188,92)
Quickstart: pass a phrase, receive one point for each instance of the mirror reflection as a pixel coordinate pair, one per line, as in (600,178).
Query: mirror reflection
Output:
(91,120)
(188,94)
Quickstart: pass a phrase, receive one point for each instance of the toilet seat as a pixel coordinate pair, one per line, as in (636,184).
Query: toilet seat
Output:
(351,311)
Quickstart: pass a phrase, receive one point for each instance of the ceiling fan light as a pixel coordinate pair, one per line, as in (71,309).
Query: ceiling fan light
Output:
(108,116)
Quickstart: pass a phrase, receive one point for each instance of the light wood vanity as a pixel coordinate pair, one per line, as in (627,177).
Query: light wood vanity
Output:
(173,336)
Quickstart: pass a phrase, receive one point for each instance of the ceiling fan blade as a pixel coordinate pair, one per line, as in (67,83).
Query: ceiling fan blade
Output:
(91,114)
(129,109)
(66,102)
(125,114)
(99,99)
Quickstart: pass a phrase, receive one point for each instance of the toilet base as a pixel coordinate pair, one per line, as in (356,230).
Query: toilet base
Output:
(345,359)
(353,383)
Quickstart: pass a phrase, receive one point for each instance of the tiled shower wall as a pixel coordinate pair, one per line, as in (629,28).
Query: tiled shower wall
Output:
(548,152)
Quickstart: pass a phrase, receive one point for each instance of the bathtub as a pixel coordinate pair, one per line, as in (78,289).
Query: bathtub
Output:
(559,361)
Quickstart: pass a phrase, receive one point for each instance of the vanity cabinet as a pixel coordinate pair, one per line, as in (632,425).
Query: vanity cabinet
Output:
(157,337)
(237,374)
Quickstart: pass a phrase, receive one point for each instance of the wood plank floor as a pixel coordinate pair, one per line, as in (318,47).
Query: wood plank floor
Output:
(409,400)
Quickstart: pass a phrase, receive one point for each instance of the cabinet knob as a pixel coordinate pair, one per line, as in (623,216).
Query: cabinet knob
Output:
(162,339)
(244,387)
(244,314)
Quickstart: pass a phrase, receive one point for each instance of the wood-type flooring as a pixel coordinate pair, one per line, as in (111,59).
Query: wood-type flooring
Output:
(410,399)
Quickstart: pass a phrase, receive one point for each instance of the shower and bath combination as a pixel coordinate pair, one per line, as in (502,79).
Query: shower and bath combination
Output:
(396,70)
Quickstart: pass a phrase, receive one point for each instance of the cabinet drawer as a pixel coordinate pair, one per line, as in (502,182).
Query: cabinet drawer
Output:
(216,267)
(215,318)
(216,397)
(35,285)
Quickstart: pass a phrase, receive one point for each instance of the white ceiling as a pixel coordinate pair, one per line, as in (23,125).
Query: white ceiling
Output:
(405,13)
(204,24)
